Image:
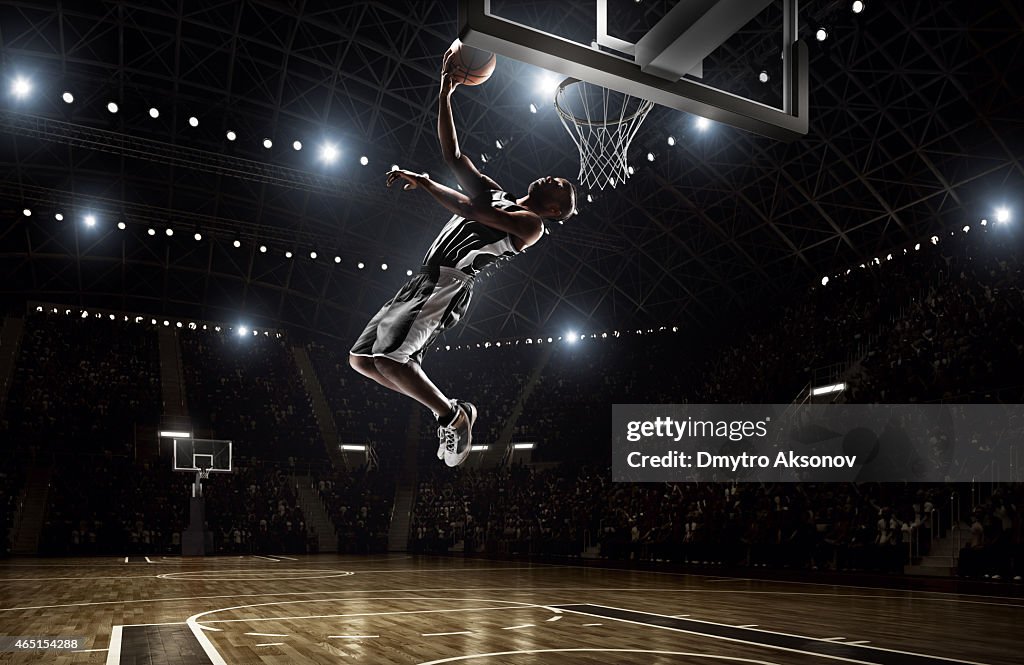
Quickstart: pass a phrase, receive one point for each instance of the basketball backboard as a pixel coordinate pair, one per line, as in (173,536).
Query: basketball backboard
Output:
(206,455)
(659,51)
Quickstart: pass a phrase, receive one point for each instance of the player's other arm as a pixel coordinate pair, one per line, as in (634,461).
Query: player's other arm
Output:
(474,182)
(522,224)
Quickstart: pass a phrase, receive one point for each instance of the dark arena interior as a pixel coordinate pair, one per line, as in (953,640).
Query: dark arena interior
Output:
(210,457)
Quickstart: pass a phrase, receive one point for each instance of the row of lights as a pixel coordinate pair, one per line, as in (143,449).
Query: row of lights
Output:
(329,152)
(1002,216)
(90,221)
(570,337)
(241,331)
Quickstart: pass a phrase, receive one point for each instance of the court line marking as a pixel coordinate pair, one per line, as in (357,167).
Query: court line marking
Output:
(114,652)
(525,625)
(859,642)
(749,625)
(485,589)
(268,634)
(832,639)
(89,650)
(593,624)
(763,630)
(281,556)
(267,558)
(147,560)
(204,641)
(126,559)
(556,617)
(269,644)
(457,632)
(735,659)
(371,614)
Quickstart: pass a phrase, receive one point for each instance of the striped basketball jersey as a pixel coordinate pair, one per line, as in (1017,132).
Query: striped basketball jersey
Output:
(468,245)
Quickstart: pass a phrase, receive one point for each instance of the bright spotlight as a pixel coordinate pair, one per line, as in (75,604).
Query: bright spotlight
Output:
(288,254)
(571,337)
(263,249)
(151,232)
(533,108)
(671,140)
(90,220)
(408,273)
(763,76)
(268,144)
(360,265)
(26,212)
(821,35)
(59,217)
(121,225)
(337,259)
(231,135)
(857,7)
(297,145)
(590,198)
(824,280)
(193,121)
(364,160)
(917,247)
(154,112)
(383,266)
(67,97)
(703,124)
(237,244)
(650,156)
(112,107)
(547,85)
(1003,215)
(242,331)
(312,255)
(967,227)
(329,152)
(21,87)
(169,232)
(198,236)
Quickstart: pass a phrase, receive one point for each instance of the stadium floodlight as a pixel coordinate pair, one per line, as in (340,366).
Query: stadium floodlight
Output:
(984,222)
(288,254)
(671,140)
(917,247)
(169,232)
(21,87)
(1002,215)
(121,225)
(650,156)
(337,259)
(408,273)
(827,390)
(67,97)
(296,145)
(242,331)
(857,7)
(364,160)
(360,265)
(967,227)
(237,243)
(112,107)
(263,249)
(571,337)
(821,34)
(26,212)
(383,266)
(533,108)
(547,85)
(193,121)
(231,135)
(522,446)
(151,231)
(328,153)
(59,217)
(312,255)
(352,448)
(703,124)
(824,280)
(198,236)
(154,112)
(90,220)
(763,76)
(268,144)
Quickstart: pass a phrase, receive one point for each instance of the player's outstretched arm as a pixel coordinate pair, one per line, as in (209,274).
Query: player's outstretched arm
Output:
(522,224)
(465,170)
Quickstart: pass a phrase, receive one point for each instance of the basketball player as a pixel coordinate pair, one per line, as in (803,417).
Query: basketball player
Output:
(487,224)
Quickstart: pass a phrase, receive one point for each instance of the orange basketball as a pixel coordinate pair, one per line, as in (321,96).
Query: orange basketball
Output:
(470,66)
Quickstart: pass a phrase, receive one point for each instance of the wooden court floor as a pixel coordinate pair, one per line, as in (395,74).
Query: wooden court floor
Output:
(392,610)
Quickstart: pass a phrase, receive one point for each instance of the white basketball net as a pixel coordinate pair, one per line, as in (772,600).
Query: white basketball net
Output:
(602,123)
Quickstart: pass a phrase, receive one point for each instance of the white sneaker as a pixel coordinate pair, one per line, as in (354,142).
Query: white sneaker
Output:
(441,437)
(458,437)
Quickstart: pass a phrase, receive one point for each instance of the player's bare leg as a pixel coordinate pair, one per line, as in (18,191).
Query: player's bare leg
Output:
(365,366)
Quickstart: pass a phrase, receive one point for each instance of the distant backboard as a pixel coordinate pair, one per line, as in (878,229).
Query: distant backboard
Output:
(209,455)
(682,55)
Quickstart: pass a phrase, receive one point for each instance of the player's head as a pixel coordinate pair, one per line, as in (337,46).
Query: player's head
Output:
(553,198)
